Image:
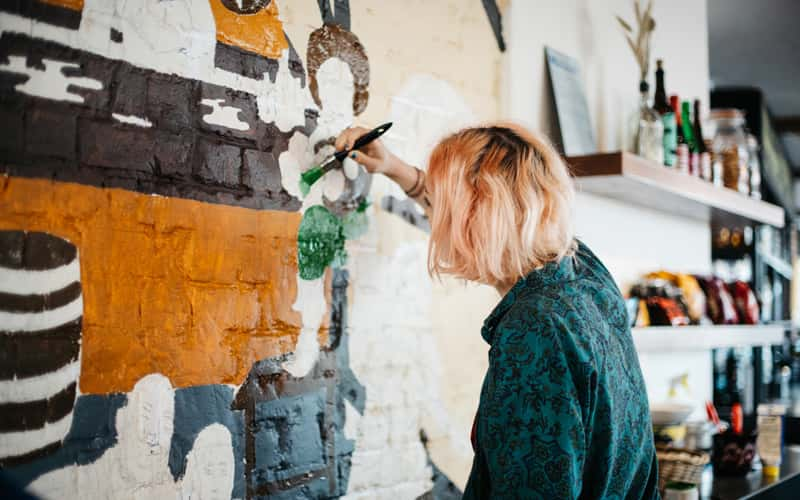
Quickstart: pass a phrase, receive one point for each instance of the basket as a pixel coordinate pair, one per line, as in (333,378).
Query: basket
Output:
(679,465)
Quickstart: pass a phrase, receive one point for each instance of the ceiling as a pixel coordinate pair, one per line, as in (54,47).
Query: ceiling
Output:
(757,43)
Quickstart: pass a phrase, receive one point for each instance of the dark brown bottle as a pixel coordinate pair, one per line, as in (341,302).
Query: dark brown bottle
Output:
(661,104)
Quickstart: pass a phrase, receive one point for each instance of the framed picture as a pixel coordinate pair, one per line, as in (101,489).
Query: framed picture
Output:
(572,110)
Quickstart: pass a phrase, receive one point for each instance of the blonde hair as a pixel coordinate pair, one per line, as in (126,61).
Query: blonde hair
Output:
(501,205)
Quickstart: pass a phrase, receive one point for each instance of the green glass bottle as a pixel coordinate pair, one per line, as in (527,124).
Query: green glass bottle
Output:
(688,133)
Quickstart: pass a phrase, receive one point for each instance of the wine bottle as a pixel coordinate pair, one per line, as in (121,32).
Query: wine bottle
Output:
(682,147)
(705,156)
(661,104)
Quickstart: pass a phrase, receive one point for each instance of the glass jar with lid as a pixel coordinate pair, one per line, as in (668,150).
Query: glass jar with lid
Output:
(729,148)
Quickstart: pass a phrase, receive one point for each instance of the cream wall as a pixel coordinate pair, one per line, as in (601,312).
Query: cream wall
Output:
(629,239)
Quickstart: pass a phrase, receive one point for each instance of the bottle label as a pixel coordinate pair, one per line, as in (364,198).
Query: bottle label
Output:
(670,138)
(682,158)
(694,164)
(705,166)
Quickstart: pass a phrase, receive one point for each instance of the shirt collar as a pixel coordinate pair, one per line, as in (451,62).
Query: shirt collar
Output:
(552,272)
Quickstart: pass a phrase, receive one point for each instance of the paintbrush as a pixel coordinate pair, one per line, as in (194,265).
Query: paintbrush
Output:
(312,175)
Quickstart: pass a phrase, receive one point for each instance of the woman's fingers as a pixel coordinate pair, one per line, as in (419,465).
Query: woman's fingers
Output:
(348,137)
(371,164)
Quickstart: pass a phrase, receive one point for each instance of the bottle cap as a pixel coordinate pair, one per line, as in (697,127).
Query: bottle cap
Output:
(771,470)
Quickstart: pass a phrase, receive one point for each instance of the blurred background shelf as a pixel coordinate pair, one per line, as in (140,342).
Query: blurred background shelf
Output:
(630,178)
(663,339)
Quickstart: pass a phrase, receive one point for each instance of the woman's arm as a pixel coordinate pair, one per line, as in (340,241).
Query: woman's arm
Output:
(377,159)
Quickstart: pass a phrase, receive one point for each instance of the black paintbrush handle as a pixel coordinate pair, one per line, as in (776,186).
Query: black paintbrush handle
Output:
(364,140)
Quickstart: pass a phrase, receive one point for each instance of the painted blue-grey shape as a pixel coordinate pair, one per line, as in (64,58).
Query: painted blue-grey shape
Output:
(496,21)
(408,210)
(195,409)
(339,14)
(93,431)
(289,439)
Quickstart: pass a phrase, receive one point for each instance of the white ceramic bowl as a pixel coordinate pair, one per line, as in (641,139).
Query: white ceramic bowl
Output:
(670,413)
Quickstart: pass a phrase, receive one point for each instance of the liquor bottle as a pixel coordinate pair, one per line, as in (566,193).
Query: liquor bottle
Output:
(649,131)
(661,104)
(682,147)
(705,156)
(688,133)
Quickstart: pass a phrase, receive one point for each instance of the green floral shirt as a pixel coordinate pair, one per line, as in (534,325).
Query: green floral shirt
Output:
(563,411)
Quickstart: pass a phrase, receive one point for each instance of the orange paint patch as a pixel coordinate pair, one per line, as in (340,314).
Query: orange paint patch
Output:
(69,4)
(191,290)
(261,32)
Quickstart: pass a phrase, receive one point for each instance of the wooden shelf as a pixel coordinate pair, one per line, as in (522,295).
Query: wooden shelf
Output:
(663,339)
(630,178)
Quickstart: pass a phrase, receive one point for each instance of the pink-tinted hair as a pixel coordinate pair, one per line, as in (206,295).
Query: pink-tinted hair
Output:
(502,205)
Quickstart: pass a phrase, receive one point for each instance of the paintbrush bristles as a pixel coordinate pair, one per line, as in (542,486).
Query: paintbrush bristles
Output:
(645,25)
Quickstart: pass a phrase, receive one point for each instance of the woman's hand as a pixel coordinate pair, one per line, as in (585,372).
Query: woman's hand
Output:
(375,158)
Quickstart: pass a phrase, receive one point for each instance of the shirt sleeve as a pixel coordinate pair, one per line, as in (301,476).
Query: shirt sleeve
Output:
(531,432)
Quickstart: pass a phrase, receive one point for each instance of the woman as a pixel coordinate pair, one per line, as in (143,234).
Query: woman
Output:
(563,411)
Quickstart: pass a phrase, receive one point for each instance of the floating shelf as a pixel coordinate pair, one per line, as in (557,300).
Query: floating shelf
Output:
(664,339)
(630,178)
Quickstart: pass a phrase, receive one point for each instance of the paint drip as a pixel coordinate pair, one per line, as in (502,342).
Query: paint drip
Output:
(356,223)
(320,242)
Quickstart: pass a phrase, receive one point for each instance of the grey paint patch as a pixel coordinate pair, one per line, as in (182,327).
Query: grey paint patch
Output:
(407,210)
(338,13)
(496,20)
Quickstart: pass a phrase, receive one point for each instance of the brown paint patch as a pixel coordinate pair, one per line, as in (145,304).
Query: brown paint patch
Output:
(331,40)
(261,32)
(67,4)
(195,291)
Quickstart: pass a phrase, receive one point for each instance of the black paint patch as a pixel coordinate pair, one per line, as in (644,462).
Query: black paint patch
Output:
(37,303)
(443,488)
(339,14)
(45,12)
(16,417)
(34,251)
(408,210)
(245,6)
(496,20)
(115,35)
(93,432)
(245,63)
(171,158)
(27,354)
(195,409)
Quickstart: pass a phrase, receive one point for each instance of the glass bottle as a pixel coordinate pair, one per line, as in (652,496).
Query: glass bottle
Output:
(688,134)
(730,149)
(661,105)
(705,156)
(650,130)
(754,166)
(682,147)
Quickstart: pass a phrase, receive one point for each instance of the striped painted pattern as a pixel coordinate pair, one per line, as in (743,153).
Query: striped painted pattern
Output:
(41,308)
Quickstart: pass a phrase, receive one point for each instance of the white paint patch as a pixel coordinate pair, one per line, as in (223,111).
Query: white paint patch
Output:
(209,466)
(333,184)
(310,303)
(224,116)
(351,421)
(132,120)
(30,322)
(24,282)
(50,83)
(19,443)
(336,88)
(424,111)
(350,168)
(138,466)
(28,389)
(285,102)
(296,159)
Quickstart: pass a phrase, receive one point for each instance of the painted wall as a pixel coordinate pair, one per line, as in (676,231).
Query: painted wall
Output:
(631,240)
(157,338)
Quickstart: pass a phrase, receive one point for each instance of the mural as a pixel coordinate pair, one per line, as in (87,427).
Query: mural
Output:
(173,310)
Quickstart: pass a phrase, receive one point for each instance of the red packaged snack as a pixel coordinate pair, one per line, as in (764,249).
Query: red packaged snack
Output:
(719,301)
(745,302)
(666,312)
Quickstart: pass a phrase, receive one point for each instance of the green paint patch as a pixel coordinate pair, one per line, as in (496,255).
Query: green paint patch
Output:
(320,242)
(355,224)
